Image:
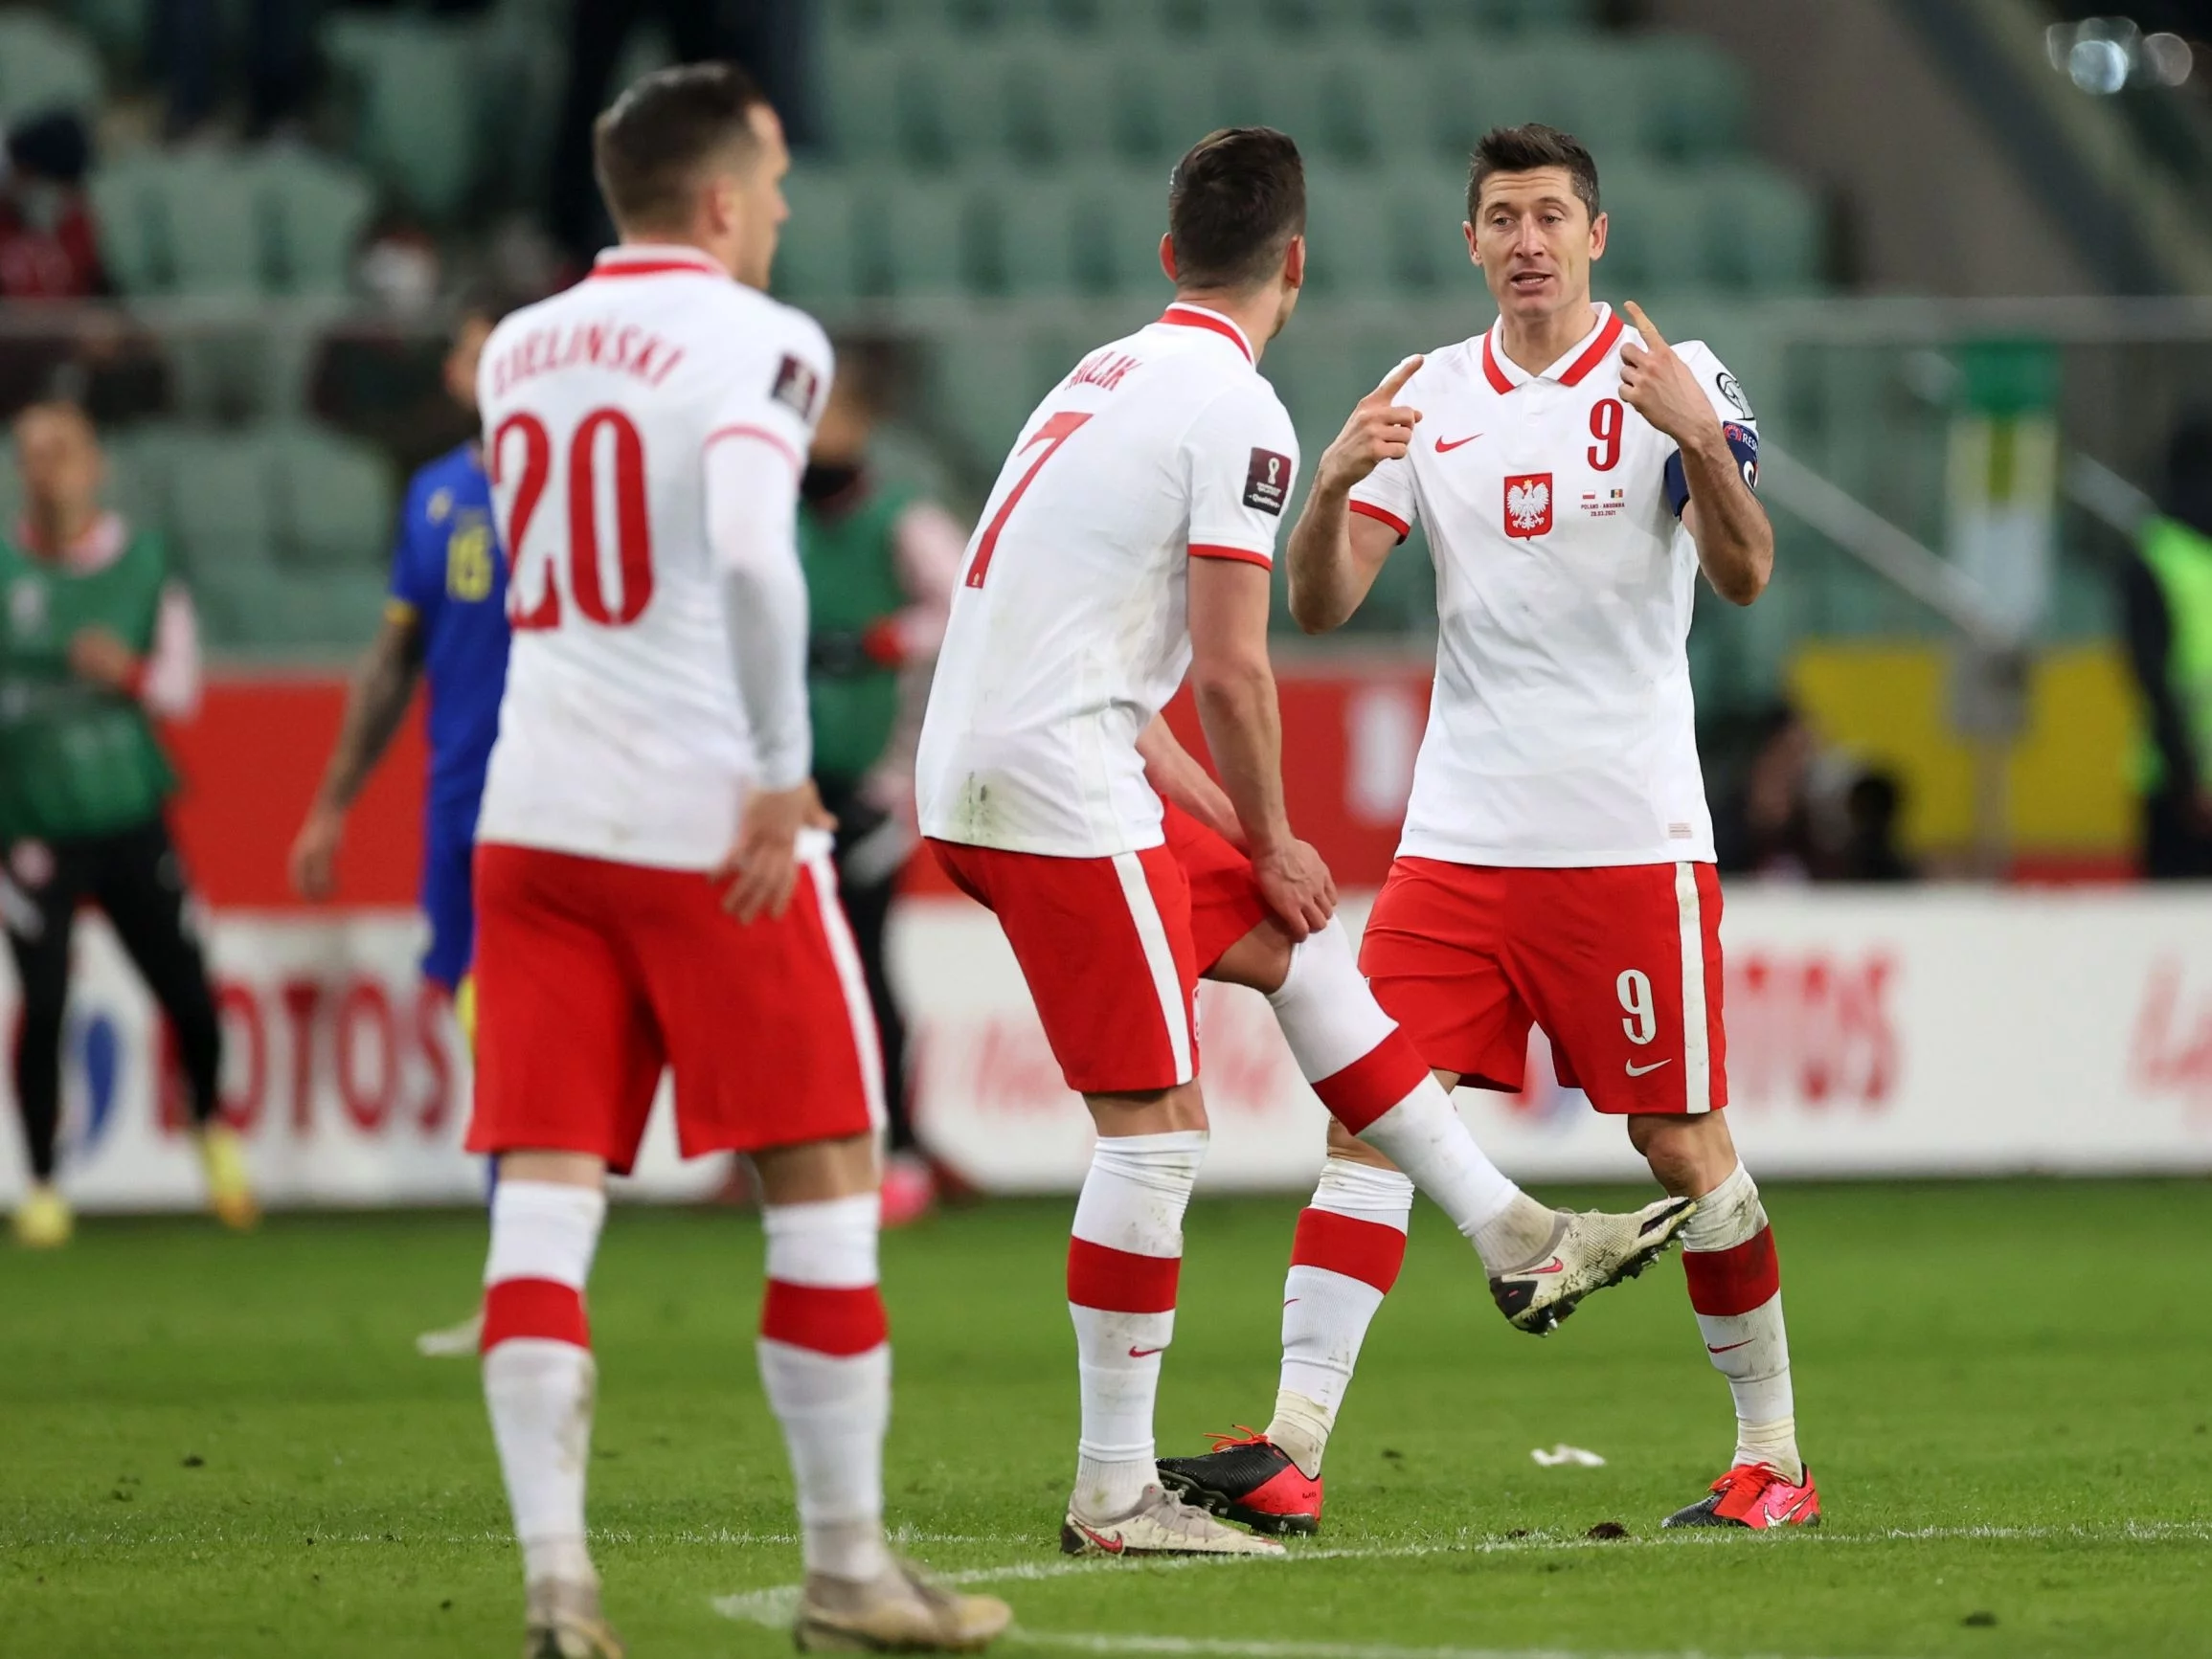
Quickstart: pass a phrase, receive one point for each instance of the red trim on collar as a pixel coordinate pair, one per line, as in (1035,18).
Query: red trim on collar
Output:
(1596,355)
(641,262)
(1497,376)
(1191,317)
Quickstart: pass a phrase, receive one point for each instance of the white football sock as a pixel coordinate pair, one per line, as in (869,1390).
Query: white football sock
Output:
(1376,1085)
(1351,1241)
(1123,1260)
(825,1364)
(1736,1288)
(539,1377)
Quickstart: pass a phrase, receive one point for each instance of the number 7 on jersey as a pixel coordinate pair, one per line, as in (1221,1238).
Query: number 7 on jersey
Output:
(1055,432)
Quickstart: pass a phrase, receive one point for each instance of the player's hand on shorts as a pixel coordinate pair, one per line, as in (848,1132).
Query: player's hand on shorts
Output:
(1380,429)
(1661,388)
(97,656)
(1297,886)
(760,870)
(314,859)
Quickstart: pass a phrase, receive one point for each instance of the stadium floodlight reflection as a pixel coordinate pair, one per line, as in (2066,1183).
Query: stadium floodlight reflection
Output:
(2103,56)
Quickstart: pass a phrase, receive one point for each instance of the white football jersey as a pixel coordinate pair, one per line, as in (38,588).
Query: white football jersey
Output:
(1561,730)
(621,735)
(1069,629)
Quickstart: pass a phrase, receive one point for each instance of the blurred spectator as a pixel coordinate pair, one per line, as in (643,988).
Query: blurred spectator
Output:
(1870,851)
(48,245)
(191,37)
(1765,826)
(881,565)
(97,641)
(2166,598)
(769,38)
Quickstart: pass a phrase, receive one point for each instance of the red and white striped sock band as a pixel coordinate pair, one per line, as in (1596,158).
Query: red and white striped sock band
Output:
(543,1237)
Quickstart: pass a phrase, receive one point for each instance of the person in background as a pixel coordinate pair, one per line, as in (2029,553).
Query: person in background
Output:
(1872,807)
(97,641)
(2166,603)
(49,242)
(881,563)
(445,623)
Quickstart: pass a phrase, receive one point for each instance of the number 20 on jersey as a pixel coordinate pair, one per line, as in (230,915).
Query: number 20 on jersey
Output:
(603,438)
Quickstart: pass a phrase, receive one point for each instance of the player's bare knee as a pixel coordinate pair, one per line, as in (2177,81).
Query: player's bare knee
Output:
(818,1172)
(1689,1156)
(1150,1112)
(561,1168)
(1261,959)
(1349,1147)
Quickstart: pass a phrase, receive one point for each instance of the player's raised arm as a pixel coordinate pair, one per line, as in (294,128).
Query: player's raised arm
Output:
(1335,552)
(1734,541)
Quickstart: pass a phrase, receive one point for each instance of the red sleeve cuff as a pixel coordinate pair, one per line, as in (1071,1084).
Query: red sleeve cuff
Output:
(1373,511)
(1216,550)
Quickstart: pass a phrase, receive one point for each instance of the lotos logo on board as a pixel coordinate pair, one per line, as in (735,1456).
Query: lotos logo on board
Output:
(1529,504)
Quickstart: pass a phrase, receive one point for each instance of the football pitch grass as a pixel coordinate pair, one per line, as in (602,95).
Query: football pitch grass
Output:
(217,1446)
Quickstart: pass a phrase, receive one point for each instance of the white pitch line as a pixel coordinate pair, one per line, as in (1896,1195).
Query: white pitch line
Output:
(779,1603)
(1223,1648)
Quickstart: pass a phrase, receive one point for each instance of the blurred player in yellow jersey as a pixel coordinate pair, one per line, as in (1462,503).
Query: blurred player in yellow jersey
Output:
(446,624)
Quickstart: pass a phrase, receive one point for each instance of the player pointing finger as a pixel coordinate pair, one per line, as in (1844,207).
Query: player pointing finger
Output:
(1380,429)
(1661,386)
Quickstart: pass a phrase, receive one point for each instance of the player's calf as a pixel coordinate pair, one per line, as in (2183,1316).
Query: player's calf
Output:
(539,1381)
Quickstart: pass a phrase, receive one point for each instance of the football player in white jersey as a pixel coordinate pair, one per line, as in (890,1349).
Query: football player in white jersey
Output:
(653,884)
(1129,539)
(1575,474)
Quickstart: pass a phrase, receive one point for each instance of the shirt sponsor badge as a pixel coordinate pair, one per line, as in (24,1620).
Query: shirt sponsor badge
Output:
(1267,481)
(796,387)
(1529,504)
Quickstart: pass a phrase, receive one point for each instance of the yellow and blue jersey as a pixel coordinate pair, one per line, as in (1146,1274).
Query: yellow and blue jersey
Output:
(448,574)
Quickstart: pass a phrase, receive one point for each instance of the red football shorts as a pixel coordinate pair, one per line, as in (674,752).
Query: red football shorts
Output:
(1621,966)
(1113,948)
(592,976)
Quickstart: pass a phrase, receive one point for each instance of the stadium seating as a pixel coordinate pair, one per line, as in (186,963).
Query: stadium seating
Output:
(421,101)
(207,222)
(44,66)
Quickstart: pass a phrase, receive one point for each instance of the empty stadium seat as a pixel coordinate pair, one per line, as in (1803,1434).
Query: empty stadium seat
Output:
(1763,230)
(419,92)
(335,497)
(814,253)
(44,66)
(317,212)
(220,505)
(923,235)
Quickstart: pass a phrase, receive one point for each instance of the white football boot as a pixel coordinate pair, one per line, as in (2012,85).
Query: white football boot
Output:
(899,1612)
(1161,1525)
(565,1622)
(1588,1252)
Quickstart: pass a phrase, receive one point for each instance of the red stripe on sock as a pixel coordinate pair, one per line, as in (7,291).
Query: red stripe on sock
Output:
(1734,1281)
(1372,1084)
(540,1308)
(1368,1251)
(839,1322)
(1120,1281)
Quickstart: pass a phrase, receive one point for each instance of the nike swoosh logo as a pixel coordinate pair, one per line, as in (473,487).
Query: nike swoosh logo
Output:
(1144,1353)
(1732,1347)
(1446,448)
(1636,1070)
(1112,1546)
(1554,1266)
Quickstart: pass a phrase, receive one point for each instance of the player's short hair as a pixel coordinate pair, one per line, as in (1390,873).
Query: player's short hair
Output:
(1234,201)
(650,146)
(1523,149)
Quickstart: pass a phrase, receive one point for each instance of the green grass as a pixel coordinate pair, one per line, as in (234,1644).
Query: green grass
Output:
(226,1447)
